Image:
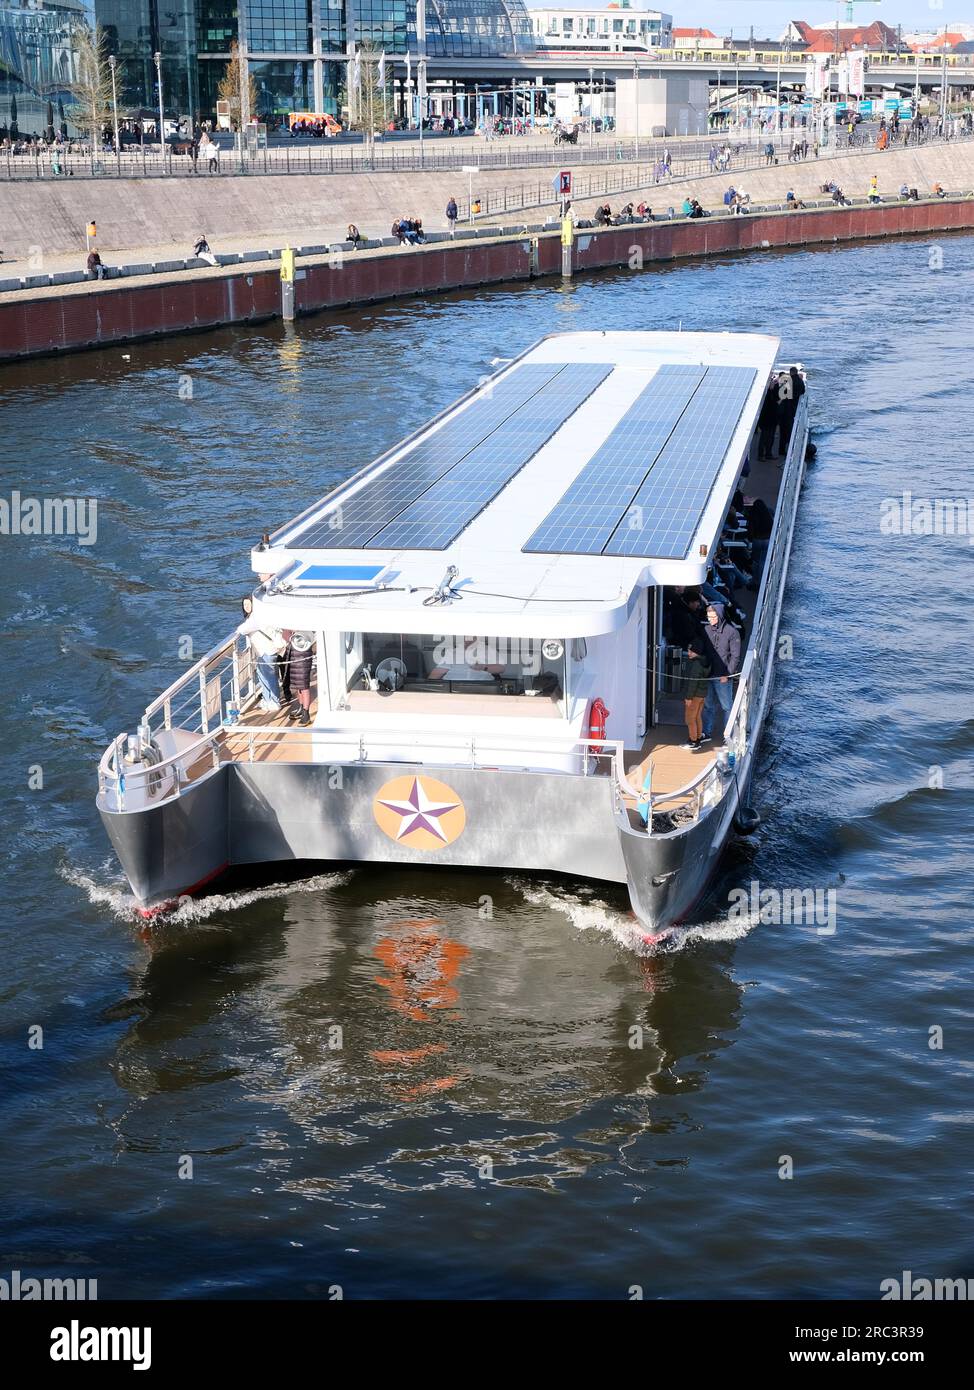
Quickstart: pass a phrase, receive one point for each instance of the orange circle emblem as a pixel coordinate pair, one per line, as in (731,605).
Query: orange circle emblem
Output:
(419,812)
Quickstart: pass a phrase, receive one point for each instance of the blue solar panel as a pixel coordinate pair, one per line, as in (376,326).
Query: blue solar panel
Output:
(352,522)
(585,518)
(435,519)
(645,489)
(665,513)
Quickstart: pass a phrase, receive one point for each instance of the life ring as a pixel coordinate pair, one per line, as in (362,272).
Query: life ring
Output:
(595,717)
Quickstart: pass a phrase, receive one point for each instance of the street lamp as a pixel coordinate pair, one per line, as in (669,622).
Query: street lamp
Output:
(635,97)
(157,59)
(113,64)
(591,106)
(421,66)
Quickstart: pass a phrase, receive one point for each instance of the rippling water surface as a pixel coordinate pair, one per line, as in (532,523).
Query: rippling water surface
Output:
(528,1104)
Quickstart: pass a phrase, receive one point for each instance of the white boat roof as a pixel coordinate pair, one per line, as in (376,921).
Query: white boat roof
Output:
(587,468)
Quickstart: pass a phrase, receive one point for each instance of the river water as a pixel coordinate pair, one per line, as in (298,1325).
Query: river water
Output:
(382,1089)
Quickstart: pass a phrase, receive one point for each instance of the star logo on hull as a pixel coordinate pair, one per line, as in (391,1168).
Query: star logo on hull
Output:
(419,812)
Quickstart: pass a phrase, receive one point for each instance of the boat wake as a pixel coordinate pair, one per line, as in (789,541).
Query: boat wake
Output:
(625,929)
(123,904)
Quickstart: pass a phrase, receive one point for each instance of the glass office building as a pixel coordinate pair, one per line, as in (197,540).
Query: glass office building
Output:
(296,50)
(37,64)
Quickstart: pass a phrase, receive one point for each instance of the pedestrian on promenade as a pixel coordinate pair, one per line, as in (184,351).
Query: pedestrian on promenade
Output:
(95,266)
(201,250)
(452,213)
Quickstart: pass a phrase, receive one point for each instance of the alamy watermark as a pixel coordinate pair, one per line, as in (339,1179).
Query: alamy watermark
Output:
(912,1290)
(927,516)
(50,516)
(786,907)
(23,1288)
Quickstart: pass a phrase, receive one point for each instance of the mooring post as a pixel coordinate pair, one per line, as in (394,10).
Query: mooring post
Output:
(287,284)
(567,246)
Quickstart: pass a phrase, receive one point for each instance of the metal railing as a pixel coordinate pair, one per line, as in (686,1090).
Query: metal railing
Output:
(519,197)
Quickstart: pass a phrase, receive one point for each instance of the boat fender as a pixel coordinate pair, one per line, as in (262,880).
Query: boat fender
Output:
(595,717)
(747,820)
(810,452)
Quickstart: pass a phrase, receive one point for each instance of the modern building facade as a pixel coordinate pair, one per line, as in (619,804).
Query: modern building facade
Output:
(613,28)
(296,50)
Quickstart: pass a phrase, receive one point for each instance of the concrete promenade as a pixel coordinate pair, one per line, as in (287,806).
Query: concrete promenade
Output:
(42,224)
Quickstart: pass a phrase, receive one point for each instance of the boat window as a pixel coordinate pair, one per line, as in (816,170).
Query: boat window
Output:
(450,664)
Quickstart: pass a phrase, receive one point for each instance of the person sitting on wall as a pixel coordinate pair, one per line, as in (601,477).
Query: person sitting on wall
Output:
(938,191)
(791,202)
(729,197)
(95,265)
(354,236)
(644,210)
(202,252)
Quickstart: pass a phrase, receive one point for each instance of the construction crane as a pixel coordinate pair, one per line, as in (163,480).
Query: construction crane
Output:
(850,6)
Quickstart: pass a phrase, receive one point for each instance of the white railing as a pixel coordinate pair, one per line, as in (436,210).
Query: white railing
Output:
(116,781)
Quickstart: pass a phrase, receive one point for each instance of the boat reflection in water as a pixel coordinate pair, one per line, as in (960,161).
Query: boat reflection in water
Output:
(336,1030)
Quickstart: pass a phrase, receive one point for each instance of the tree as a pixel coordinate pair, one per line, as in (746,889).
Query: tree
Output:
(369,104)
(92,89)
(229,88)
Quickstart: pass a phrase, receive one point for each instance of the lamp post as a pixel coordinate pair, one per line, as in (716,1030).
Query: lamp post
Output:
(635,97)
(157,59)
(591,106)
(421,69)
(113,64)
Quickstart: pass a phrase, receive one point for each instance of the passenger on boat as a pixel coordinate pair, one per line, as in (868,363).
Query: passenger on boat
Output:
(268,645)
(791,388)
(696,672)
(684,615)
(725,655)
(768,421)
(299,650)
(759,521)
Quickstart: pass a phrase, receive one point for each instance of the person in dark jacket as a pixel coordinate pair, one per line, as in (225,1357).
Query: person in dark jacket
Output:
(684,618)
(300,650)
(452,213)
(759,520)
(696,684)
(725,657)
(790,391)
(768,421)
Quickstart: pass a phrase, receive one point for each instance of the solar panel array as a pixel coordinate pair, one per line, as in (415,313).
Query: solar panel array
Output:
(437,518)
(583,521)
(644,491)
(435,489)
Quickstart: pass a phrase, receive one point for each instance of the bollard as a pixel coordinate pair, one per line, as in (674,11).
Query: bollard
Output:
(567,247)
(287,284)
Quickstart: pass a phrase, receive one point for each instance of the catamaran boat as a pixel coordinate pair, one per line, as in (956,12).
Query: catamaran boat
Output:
(495,682)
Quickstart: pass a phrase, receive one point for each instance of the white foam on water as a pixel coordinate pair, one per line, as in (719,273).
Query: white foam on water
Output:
(123,904)
(625,928)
